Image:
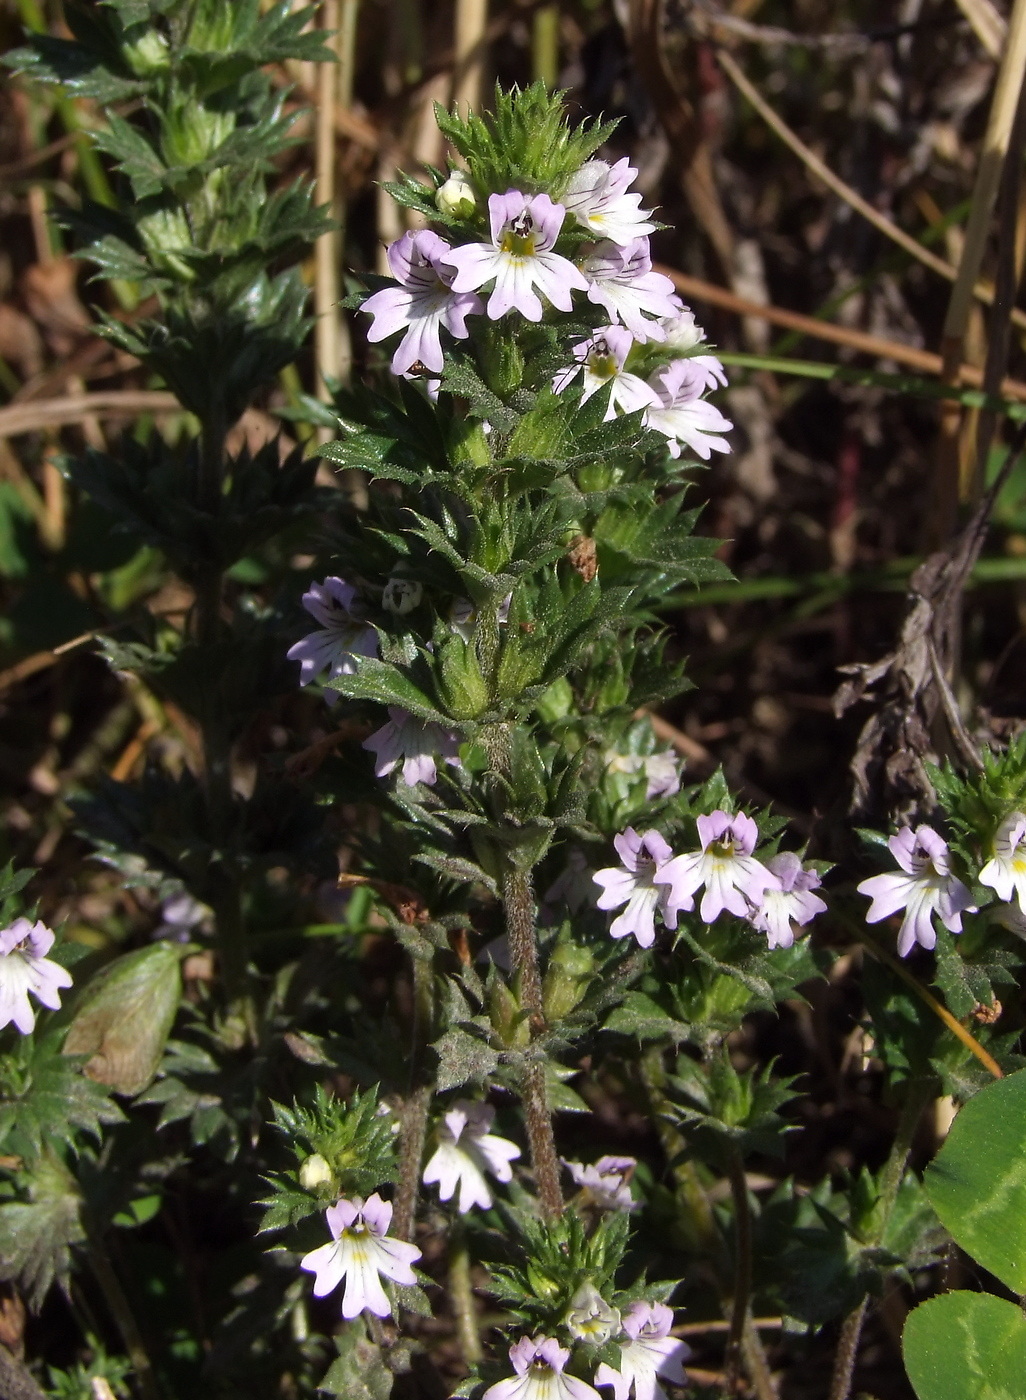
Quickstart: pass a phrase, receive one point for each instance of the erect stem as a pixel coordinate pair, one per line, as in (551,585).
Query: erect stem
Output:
(518,903)
(121,1311)
(461,1295)
(742,1272)
(920,1093)
(413,1126)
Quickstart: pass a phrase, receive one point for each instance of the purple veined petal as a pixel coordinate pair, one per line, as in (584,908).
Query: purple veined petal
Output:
(917,925)
(363,1283)
(656,847)
(326,1263)
(617,887)
(420,343)
(522,1353)
(902,845)
(390,309)
(933,848)
(331,602)
(461,305)
(420,768)
(605,1375)
(475,264)
(557,277)
(638,918)
(499,1154)
(713,827)
(744,834)
(46,981)
(414,258)
(395,1259)
(377,1213)
(682,876)
(954,900)
(997,874)
(888,893)
(627,846)
(443,1171)
(341,1215)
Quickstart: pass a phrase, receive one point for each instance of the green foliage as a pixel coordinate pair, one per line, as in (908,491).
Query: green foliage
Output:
(977,804)
(966,1346)
(45,1099)
(726,1113)
(554,1261)
(40,1223)
(525,143)
(343,1149)
(977,1182)
(76,1382)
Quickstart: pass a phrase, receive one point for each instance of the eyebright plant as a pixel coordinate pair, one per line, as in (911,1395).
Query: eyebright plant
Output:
(536,909)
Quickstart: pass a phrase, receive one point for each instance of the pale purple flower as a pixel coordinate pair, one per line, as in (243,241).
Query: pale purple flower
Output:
(598,199)
(466,1150)
(650,1354)
(25,968)
(360,1252)
(733,878)
(925,887)
(413,742)
(661,770)
(340,639)
(793,903)
(538,1363)
(1005,872)
(681,331)
(682,415)
(601,360)
(633,883)
(606,1182)
(621,281)
(590,1318)
(424,301)
(574,886)
(519,258)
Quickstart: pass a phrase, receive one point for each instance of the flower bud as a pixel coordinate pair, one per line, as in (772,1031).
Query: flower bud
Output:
(401,596)
(315,1172)
(456,197)
(566,978)
(147,54)
(591,1319)
(682,332)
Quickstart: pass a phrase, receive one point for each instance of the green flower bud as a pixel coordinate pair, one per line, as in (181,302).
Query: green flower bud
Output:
(566,978)
(456,197)
(147,54)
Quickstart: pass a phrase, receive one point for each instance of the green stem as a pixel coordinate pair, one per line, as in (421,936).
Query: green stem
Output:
(121,1311)
(920,1093)
(461,1295)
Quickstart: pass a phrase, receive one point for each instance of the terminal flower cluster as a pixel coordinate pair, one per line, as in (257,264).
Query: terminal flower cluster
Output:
(518,270)
(651,880)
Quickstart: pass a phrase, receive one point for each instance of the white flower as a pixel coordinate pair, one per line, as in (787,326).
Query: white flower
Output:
(925,887)
(605,1182)
(621,281)
(650,1353)
(633,883)
(732,877)
(682,332)
(466,1150)
(793,903)
(1005,872)
(24,969)
(360,1253)
(601,360)
(681,414)
(341,638)
(519,258)
(597,197)
(538,1364)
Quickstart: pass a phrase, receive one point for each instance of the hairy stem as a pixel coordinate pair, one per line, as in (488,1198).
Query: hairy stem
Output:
(920,1093)
(518,902)
(742,1298)
(461,1295)
(411,1152)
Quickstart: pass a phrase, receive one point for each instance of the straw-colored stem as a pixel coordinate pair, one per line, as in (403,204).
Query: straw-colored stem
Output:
(822,171)
(328,251)
(471,44)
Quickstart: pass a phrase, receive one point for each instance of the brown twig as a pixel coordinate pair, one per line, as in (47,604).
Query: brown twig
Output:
(73,408)
(922,360)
